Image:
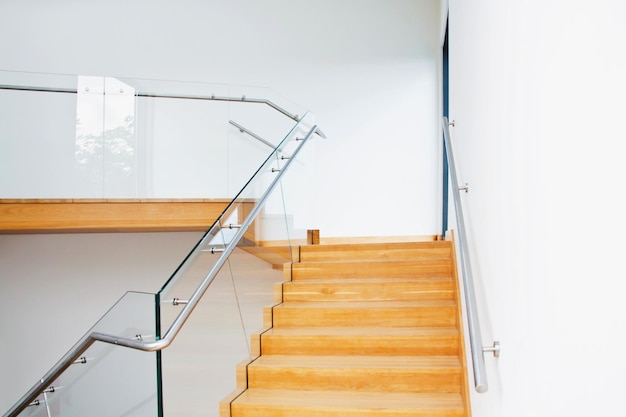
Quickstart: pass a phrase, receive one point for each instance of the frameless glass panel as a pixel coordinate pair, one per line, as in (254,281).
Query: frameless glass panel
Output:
(183,283)
(202,259)
(109,380)
(119,140)
(297,186)
(89,144)
(199,368)
(37,125)
(106,137)
(256,128)
(182,144)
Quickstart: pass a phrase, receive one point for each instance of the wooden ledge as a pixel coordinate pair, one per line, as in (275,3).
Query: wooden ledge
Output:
(108,215)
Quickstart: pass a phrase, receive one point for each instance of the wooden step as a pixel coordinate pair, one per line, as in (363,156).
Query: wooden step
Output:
(277,256)
(356,373)
(390,341)
(379,251)
(366,329)
(370,289)
(430,313)
(292,403)
(415,268)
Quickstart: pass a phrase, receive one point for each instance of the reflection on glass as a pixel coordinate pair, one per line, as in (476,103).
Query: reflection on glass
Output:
(119,139)
(105,138)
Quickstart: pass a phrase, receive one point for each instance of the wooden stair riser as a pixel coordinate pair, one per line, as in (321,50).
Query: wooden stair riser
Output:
(397,290)
(437,379)
(375,269)
(273,343)
(436,313)
(365,252)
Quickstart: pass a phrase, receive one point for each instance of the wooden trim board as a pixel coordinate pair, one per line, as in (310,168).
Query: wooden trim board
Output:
(108,215)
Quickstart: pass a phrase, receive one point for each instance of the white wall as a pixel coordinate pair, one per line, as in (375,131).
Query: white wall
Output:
(367,69)
(537,92)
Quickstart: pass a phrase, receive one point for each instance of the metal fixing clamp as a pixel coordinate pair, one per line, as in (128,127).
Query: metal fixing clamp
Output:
(495,349)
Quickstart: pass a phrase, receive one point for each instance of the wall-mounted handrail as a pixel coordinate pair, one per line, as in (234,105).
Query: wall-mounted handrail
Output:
(182,317)
(242,99)
(473,324)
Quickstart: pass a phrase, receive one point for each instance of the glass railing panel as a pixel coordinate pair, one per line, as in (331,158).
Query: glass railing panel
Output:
(297,188)
(198,264)
(37,135)
(182,144)
(256,129)
(98,384)
(181,286)
(199,370)
(106,137)
(89,144)
(121,157)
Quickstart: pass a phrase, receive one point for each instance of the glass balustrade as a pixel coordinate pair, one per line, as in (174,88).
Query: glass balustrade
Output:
(198,371)
(232,270)
(91,137)
(107,380)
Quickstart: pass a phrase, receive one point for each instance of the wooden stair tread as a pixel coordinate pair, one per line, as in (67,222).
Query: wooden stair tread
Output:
(343,247)
(359,362)
(372,269)
(357,373)
(362,331)
(368,259)
(364,258)
(369,289)
(364,313)
(361,402)
(380,340)
(373,280)
(365,304)
(390,250)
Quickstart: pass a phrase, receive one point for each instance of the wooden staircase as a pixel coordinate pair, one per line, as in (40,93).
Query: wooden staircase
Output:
(361,330)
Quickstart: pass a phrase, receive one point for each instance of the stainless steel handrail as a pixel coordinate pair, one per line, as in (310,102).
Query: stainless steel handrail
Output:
(177,324)
(242,99)
(478,359)
(251,133)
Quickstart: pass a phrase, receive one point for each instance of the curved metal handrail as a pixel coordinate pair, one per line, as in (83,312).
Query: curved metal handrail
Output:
(473,324)
(177,324)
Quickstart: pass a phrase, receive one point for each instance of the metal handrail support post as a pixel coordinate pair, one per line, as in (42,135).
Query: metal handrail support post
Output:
(477,349)
(251,133)
(168,338)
